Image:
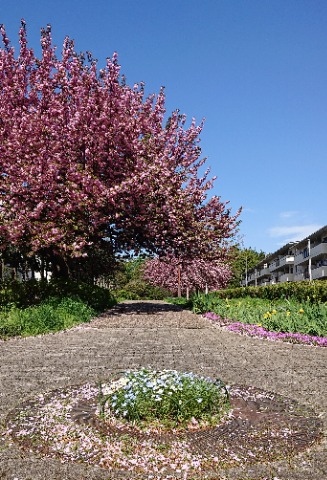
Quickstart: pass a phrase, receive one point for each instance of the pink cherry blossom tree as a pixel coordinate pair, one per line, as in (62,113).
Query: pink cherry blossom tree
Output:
(187,276)
(87,161)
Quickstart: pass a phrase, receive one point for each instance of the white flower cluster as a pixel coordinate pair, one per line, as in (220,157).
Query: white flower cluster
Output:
(108,389)
(154,386)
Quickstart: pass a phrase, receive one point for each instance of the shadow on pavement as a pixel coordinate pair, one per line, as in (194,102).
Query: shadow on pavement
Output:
(144,308)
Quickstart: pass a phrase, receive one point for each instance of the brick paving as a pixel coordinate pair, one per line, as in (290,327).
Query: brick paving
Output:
(156,334)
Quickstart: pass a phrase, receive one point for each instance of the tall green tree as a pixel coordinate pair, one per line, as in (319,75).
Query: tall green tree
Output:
(242,261)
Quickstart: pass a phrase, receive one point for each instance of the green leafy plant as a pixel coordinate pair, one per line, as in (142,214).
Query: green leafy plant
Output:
(51,316)
(33,292)
(181,301)
(281,315)
(168,397)
(205,303)
(315,291)
(130,284)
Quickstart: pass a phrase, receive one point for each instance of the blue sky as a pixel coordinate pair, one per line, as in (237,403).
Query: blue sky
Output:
(256,70)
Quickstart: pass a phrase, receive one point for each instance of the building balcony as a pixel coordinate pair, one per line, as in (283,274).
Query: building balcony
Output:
(299,277)
(251,277)
(286,277)
(273,266)
(320,272)
(263,272)
(281,262)
(287,260)
(250,281)
(301,258)
(319,250)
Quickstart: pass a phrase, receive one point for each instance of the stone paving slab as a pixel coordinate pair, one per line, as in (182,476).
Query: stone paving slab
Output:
(162,336)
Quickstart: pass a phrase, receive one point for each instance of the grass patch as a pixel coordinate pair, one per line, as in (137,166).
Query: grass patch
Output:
(286,316)
(183,302)
(51,315)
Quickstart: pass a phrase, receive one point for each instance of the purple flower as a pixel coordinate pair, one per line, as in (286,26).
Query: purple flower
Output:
(258,331)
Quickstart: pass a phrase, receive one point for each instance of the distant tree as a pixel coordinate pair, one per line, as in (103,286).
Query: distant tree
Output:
(128,270)
(187,276)
(130,282)
(243,260)
(88,164)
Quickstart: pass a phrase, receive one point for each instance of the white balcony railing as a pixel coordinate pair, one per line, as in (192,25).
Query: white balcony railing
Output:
(287,260)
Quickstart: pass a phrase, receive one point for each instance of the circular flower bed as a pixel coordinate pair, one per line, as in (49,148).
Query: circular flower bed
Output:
(131,424)
(166,399)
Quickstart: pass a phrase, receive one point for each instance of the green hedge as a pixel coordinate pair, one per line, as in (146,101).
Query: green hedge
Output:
(33,292)
(140,290)
(315,291)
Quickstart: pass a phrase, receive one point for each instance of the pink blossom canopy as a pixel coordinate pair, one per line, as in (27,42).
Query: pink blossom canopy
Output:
(85,157)
(192,275)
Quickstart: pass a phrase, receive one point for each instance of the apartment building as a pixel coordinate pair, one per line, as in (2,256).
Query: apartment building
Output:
(295,261)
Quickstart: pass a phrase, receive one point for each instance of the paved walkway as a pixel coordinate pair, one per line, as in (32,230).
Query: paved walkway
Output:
(155,334)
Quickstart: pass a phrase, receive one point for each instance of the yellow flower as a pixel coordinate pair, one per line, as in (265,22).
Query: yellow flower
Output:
(273,312)
(301,310)
(288,313)
(259,324)
(267,315)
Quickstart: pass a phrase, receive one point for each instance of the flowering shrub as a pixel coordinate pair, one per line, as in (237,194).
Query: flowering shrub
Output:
(170,397)
(85,157)
(196,274)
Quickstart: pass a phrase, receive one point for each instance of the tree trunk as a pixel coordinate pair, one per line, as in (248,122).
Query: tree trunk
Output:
(59,267)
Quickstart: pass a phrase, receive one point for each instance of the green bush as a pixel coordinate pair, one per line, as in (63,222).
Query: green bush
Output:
(96,297)
(123,294)
(50,316)
(14,293)
(202,303)
(138,289)
(34,292)
(156,293)
(315,291)
(35,307)
(182,301)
